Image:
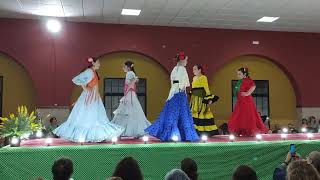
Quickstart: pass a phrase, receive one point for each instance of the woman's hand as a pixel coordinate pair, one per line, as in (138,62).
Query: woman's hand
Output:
(244,94)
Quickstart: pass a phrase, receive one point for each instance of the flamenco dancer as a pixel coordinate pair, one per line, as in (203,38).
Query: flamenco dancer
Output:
(245,120)
(201,98)
(88,120)
(129,114)
(175,119)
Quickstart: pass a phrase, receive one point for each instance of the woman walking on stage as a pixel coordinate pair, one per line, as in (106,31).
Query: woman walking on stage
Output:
(175,120)
(245,120)
(88,120)
(129,113)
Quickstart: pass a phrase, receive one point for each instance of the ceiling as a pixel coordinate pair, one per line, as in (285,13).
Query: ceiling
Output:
(295,15)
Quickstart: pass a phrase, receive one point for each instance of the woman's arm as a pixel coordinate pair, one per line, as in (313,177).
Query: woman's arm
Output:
(249,92)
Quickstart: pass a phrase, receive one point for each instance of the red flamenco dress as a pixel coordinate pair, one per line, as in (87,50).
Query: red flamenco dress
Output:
(245,120)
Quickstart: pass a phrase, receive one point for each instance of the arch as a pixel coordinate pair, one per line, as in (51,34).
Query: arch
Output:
(282,95)
(135,52)
(18,87)
(157,76)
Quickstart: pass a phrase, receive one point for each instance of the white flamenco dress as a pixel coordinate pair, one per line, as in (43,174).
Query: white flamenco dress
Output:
(129,114)
(88,120)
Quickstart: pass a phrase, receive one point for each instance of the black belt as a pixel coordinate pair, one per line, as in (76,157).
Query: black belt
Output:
(175,81)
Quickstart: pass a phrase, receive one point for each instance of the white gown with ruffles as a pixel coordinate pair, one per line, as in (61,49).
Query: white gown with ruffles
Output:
(130,114)
(88,120)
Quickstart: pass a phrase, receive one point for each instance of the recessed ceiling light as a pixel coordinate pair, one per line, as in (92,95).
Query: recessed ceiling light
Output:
(267,19)
(130,12)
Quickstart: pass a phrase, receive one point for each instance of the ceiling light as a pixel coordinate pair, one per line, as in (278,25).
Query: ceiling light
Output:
(130,12)
(53,25)
(267,19)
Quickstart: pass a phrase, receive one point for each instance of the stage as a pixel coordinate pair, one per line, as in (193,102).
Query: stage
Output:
(216,158)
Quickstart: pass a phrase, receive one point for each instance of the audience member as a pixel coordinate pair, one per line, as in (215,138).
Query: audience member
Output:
(280,172)
(176,174)
(244,172)
(62,169)
(190,167)
(302,170)
(128,169)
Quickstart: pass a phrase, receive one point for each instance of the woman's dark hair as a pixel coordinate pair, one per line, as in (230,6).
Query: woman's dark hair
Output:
(304,121)
(53,118)
(200,67)
(130,65)
(62,169)
(244,172)
(245,71)
(128,168)
(91,65)
(189,166)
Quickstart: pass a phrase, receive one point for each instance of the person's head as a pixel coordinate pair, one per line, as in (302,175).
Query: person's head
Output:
(128,66)
(114,178)
(304,121)
(243,73)
(314,159)
(244,172)
(176,174)
(197,70)
(181,59)
(128,168)
(53,121)
(302,170)
(189,166)
(290,126)
(94,63)
(62,169)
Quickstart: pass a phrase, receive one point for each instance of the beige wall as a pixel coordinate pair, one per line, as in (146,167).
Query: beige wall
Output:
(281,93)
(158,81)
(17,86)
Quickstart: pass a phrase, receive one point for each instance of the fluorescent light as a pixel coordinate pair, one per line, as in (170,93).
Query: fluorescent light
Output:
(130,12)
(267,19)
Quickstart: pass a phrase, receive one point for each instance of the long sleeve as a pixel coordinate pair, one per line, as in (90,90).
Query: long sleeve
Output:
(83,78)
(209,96)
(184,79)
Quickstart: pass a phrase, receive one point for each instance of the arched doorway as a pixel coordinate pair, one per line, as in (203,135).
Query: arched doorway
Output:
(281,94)
(157,81)
(16,86)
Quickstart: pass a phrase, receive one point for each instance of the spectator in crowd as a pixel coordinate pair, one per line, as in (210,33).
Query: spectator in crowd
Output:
(114,178)
(62,169)
(244,172)
(312,123)
(314,159)
(280,172)
(292,129)
(302,170)
(304,123)
(176,174)
(224,129)
(53,125)
(128,169)
(190,167)
(276,129)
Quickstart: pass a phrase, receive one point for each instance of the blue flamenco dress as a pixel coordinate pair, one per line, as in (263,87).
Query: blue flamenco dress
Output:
(175,118)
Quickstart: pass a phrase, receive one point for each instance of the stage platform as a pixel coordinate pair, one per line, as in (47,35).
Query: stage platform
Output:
(216,159)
